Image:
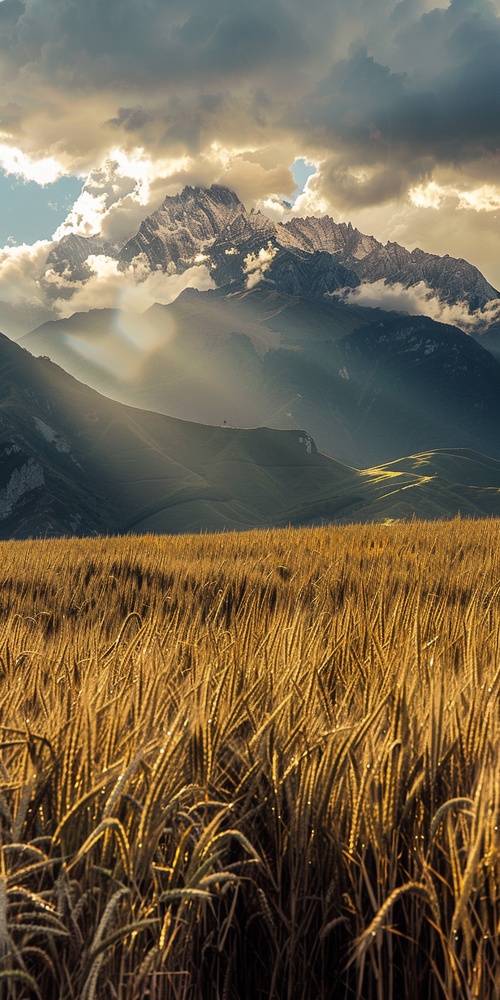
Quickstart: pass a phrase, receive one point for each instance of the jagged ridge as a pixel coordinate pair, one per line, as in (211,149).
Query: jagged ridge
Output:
(214,223)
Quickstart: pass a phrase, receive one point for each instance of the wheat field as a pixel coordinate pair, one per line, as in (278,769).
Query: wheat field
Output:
(244,766)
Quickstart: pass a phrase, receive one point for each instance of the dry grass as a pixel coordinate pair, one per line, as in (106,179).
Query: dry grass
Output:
(252,766)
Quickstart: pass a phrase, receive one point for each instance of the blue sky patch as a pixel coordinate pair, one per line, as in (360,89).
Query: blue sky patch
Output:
(30,212)
(301,171)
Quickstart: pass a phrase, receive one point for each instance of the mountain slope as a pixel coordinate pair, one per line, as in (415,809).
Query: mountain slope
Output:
(74,462)
(490,339)
(370,386)
(72,252)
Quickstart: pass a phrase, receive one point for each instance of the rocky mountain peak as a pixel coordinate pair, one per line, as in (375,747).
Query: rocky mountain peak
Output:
(216,199)
(185,224)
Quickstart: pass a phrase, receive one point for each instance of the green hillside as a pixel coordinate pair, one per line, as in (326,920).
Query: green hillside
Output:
(74,462)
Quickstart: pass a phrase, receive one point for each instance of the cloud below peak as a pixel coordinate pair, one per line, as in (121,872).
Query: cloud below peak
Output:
(420,300)
(132,289)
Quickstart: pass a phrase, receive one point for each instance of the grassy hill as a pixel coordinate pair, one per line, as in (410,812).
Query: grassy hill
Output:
(74,462)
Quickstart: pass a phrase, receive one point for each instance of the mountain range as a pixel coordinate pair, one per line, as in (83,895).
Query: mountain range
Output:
(257,401)
(214,223)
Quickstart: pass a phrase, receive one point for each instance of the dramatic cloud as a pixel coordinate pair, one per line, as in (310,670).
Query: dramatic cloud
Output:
(391,129)
(23,303)
(20,270)
(43,171)
(356,80)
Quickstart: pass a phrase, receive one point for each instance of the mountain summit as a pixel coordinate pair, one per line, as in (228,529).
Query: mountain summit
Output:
(184,226)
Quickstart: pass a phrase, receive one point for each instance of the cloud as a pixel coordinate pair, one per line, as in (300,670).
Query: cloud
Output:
(131,119)
(23,303)
(485,198)
(109,285)
(255,265)
(43,171)
(31,292)
(118,195)
(434,103)
(364,72)
(154,41)
(253,181)
(419,300)
(20,270)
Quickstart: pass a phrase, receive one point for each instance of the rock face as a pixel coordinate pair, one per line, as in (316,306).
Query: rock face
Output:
(309,275)
(214,226)
(339,238)
(453,280)
(20,480)
(71,253)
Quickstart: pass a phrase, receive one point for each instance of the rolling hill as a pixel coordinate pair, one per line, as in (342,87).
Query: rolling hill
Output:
(74,462)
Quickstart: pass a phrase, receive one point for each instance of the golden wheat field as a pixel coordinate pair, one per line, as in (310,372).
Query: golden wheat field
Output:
(250,766)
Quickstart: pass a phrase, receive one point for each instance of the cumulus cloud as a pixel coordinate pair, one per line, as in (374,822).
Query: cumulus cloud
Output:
(118,194)
(192,76)
(485,198)
(254,181)
(31,292)
(132,289)
(255,265)
(419,300)
(20,270)
(23,303)
(412,100)
(44,170)
(416,75)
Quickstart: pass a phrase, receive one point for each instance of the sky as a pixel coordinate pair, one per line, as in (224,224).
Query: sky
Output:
(31,211)
(383,113)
